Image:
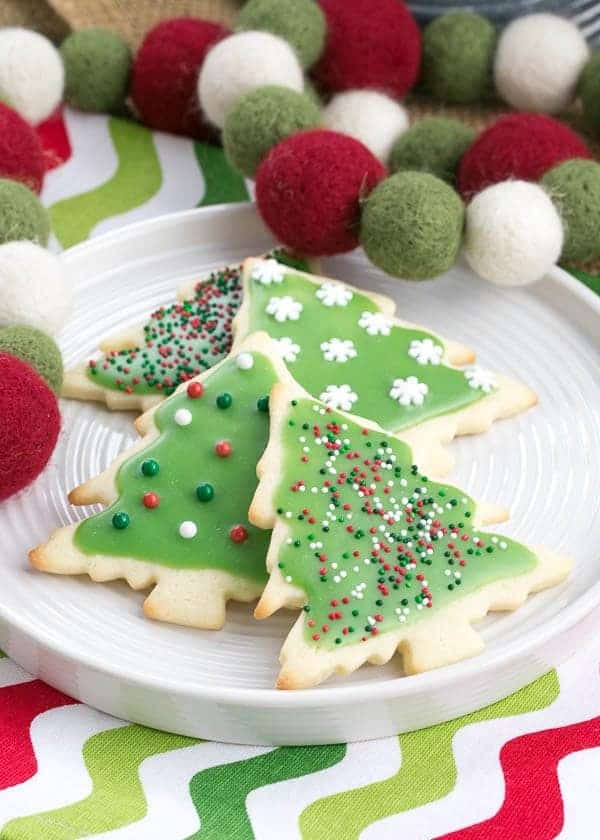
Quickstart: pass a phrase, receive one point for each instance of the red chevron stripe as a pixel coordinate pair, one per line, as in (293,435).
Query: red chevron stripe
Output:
(532,804)
(19,705)
(55,140)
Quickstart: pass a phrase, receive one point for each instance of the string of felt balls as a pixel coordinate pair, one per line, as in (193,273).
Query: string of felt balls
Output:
(322,172)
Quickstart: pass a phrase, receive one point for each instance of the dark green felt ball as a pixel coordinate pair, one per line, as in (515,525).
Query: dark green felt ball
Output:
(97,64)
(411,225)
(435,145)
(37,349)
(22,215)
(458,55)
(589,91)
(574,187)
(260,119)
(300,22)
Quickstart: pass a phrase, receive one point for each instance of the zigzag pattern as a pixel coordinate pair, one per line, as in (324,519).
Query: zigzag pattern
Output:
(112,759)
(529,764)
(427,772)
(220,794)
(19,705)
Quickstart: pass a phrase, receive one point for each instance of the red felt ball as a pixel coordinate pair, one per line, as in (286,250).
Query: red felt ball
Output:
(21,154)
(165,72)
(308,190)
(369,45)
(29,424)
(522,146)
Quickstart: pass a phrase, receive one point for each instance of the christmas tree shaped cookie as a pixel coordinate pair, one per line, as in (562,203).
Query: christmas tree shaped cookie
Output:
(177,515)
(344,349)
(142,365)
(379,557)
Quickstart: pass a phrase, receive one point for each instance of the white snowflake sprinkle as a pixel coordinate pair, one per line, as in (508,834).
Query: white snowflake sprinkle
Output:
(338,350)
(479,378)
(284,308)
(288,348)
(409,391)
(426,352)
(375,323)
(334,294)
(339,396)
(267,272)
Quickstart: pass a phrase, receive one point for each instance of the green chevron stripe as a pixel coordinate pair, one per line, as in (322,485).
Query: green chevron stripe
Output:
(221,181)
(219,793)
(427,772)
(2,654)
(138,177)
(112,758)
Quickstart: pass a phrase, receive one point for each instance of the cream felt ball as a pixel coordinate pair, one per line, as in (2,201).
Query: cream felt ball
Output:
(34,287)
(240,63)
(371,117)
(538,62)
(513,233)
(31,73)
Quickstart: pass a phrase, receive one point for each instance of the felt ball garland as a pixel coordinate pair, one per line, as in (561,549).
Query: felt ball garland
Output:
(316,166)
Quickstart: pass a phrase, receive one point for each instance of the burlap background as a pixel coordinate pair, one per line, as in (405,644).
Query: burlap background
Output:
(133,18)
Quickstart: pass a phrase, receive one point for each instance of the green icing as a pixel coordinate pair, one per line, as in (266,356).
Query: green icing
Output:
(187,459)
(334,338)
(180,340)
(371,541)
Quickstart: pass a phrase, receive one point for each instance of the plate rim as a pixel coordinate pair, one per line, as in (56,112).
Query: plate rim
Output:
(328,694)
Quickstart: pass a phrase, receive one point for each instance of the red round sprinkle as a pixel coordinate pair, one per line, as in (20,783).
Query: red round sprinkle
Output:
(195,390)
(223,449)
(238,534)
(151,500)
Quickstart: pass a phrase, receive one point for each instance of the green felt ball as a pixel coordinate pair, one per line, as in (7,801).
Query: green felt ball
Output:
(589,91)
(458,55)
(574,187)
(300,22)
(37,349)
(411,225)
(22,215)
(260,119)
(97,64)
(434,145)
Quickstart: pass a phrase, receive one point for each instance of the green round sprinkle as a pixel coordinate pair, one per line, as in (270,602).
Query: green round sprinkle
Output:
(150,467)
(262,403)
(120,520)
(224,400)
(205,492)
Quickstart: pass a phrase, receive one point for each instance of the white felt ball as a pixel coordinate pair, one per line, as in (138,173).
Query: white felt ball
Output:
(371,117)
(538,62)
(242,62)
(513,233)
(31,73)
(34,287)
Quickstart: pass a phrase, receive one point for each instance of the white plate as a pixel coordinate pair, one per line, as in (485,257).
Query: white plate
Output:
(91,640)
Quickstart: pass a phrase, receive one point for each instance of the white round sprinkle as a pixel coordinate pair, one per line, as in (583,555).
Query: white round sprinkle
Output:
(183,417)
(245,361)
(188,530)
